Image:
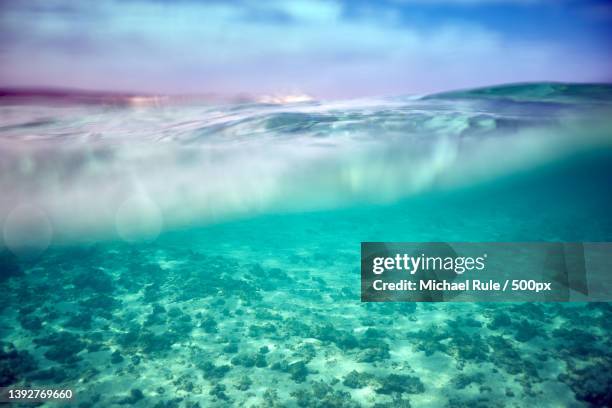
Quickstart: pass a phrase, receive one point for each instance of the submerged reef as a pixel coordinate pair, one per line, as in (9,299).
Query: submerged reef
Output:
(229,350)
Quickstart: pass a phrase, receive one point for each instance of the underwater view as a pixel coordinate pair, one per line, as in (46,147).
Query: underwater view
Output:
(191,254)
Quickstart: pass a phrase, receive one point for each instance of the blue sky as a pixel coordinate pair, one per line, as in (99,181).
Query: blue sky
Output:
(325,48)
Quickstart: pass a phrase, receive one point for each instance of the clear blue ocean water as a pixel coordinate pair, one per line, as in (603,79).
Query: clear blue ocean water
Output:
(202,255)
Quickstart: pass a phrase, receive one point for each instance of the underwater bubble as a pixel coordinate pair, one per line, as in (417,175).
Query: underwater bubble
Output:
(139,219)
(27,231)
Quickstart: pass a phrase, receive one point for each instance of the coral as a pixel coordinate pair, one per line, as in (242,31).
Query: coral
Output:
(211,371)
(218,391)
(343,339)
(398,402)
(307,352)
(245,360)
(14,364)
(396,383)
(54,375)
(250,360)
(464,380)
(260,361)
(155,344)
(298,370)
(372,333)
(209,325)
(231,348)
(526,331)
(116,357)
(592,383)
(63,346)
(180,327)
(321,395)
(355,379)
(257,331)
(29,322)
(271,399)
(104,303)
(429,341)
(97,281)
(135,396)
(173,403)
(505,355)
(468,347)
(463,322)
(296,327)
(479,402)
(577,342)
(244,383)
(500,321)
(79,321)
(374,351)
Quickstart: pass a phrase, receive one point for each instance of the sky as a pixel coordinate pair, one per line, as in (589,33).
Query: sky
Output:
(324,48)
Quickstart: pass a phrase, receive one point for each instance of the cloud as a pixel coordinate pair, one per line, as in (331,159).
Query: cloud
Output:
(261,47)
(480,2)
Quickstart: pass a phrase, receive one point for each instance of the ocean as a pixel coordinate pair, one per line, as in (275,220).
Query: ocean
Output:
(199,254)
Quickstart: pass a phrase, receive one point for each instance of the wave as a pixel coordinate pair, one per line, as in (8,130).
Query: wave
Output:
(83,172)
(537,92)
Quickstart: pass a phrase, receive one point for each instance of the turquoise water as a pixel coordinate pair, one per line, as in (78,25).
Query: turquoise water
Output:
(209,256)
